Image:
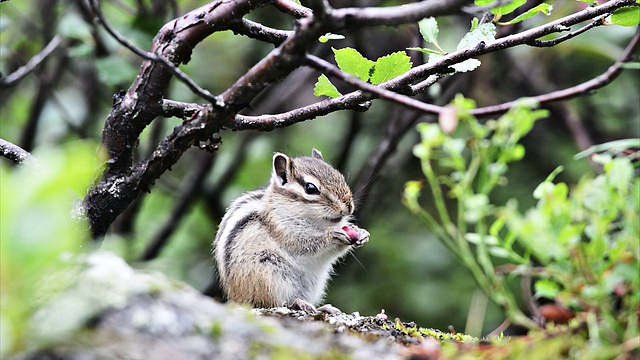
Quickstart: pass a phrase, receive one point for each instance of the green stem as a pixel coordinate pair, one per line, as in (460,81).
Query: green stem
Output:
(438,198)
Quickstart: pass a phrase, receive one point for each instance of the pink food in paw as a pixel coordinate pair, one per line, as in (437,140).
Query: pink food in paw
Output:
(353,233)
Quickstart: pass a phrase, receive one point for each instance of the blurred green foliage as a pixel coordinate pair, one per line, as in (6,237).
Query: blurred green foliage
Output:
(40,228)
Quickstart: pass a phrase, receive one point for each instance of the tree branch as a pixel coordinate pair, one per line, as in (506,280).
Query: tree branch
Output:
(540,43)
(195,88)
(582,89)
(135,109)
(34,62)
(403,82)
(352,18)
(15,153)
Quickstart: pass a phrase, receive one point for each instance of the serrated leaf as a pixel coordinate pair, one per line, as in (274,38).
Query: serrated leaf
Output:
(485,32)
(390,66)
(425,50)
(429,30)
(352,62)
(626,16)
(324,87)
(329,36)
(542,8)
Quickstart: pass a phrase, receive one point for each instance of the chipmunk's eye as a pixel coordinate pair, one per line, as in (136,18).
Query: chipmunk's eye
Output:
(311,189)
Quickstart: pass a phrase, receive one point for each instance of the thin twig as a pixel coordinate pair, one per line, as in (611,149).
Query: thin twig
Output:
(549,43)
(34,62)
(201,92)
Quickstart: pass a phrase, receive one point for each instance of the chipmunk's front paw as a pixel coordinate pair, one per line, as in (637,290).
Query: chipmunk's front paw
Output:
(357,236)
(299,304)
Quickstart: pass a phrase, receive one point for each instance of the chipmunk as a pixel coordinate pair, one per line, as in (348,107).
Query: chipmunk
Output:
(276,246)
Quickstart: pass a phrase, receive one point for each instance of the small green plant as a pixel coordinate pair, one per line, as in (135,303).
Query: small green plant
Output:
(580,245)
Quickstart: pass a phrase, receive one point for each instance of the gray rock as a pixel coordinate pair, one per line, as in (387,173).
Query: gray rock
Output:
(116,312)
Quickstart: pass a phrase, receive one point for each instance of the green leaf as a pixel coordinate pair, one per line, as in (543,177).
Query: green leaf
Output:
(425,50)
(465,66)
(542,8)
(485,32)
(390,66)
(626,16)
(499,252)
(509,8)
(484,2)
(329,36)
(476,238)
(352,62)
(429,30)
(324,87)
(546,289)
(474,23)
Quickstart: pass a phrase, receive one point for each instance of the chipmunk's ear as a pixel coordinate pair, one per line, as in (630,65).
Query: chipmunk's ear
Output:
(316,154)
(281,169)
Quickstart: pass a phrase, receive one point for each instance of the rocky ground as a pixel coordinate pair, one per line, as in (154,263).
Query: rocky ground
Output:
(115,312)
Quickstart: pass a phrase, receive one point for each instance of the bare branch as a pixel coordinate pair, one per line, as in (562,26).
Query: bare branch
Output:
(582,89)
(350,18)
(260,32)
(293,9)
(352,101)
(172,108)
(540,43)
(16,76)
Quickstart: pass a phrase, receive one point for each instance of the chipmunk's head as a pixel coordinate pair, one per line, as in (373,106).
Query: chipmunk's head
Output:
(315,188)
